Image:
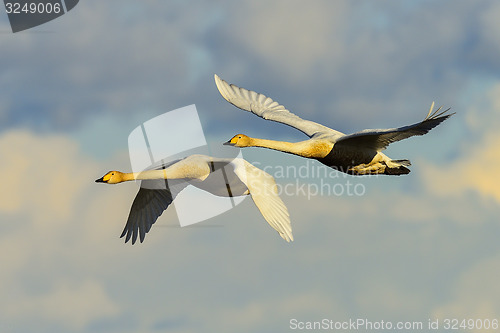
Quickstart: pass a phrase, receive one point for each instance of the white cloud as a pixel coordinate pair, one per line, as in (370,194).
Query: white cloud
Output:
(43,203)
(292,37)
(473,171)
(275,313)
(474,168)
(475,294)
(41,175)
(71,306)
(120,57)
(101,57)
(233,267)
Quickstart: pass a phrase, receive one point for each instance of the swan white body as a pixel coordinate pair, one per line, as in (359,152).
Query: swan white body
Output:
(357,154)
(239,178)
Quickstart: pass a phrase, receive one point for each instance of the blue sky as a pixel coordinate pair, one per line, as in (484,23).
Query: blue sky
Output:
(411,248)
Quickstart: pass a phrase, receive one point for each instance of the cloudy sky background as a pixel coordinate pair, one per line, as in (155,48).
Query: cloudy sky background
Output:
(411,248)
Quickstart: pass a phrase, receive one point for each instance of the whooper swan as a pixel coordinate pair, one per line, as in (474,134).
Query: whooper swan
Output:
(240,178)
(357,154)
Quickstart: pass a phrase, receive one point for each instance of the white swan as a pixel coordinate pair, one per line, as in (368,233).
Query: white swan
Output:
(238,178)
(357,154)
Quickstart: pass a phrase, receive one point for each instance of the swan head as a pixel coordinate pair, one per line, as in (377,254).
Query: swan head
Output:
(112,177)
(239,140)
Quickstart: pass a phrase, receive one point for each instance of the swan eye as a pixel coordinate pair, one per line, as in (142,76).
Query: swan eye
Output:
(239,137)
(112,174)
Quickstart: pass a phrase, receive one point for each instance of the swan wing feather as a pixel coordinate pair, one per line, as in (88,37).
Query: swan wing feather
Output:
(264,193)
(268,109)
(151,201)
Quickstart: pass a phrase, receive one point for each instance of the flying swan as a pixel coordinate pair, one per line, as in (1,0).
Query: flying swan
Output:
(357,154)
(238,177)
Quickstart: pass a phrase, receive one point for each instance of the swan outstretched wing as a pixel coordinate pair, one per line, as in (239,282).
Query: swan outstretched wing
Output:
(153,198)
(264,193)
(268,109)
(381,138)
(151,201)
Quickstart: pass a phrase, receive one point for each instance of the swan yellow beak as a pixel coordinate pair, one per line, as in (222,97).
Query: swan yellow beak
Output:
(233,141)
(104,179)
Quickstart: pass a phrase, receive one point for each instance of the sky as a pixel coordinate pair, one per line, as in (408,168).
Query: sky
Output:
(412,248)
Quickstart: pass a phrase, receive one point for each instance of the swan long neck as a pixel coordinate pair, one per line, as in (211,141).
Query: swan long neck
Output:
(148,174)
(287,147)
(304,148)
(181,170)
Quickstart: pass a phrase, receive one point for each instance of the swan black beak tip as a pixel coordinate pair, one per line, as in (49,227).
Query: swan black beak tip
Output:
(228,143)
(100,180)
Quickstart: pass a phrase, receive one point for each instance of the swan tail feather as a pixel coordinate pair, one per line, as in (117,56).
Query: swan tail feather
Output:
(401,170)
(397,167)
